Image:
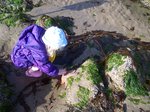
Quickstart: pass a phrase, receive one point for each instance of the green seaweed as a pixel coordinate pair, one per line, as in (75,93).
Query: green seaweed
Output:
(46,21)
(114,61)
(83,95)
(93,72)
(62,95)
(12,12)
(64,23)
(78,78)
(132,84)
(70,81)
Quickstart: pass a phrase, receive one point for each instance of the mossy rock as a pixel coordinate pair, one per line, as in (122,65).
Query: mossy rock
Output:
(46,21)
(83,86)
(123,75)
(132,84)
(64,23)
(116,66)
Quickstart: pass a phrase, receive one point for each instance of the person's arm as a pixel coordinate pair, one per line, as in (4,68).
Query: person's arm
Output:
(49,69)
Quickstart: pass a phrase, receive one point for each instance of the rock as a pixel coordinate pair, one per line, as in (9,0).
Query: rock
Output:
(123,74)
(46,21)
(65,23)
(117,65)
(83,86)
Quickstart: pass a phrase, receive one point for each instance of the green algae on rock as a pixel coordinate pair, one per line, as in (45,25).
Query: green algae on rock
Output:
(132,84)
(114,61)
(70,81)
(83,95)
(65,23)
(93,72)
(116,66)
(123,73)
(128,76)
(46,21)
(83,86)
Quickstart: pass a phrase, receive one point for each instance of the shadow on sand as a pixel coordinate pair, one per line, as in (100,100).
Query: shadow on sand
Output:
(78,6)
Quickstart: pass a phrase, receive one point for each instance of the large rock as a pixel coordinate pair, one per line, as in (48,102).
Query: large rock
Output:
(123,75)
(117,66)
(126,74)
(83,87)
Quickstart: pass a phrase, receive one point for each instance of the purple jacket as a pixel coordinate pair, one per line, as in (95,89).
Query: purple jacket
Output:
(30,50)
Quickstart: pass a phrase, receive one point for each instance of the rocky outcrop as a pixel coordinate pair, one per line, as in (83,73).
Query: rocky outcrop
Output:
(84,85)
(117,66)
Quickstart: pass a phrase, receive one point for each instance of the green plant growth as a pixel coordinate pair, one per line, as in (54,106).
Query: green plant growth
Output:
(132,84)
(78,78)
(93,72)
(63,22)
(5,94)
(114,61)
(62,95)
(12,12)
(83,95)
(70,81)
(46,21)
(79,75)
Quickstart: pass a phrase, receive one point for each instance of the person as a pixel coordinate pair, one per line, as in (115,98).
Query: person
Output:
(36,50)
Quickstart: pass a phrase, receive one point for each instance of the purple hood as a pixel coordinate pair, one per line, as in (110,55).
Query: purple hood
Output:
(30,50)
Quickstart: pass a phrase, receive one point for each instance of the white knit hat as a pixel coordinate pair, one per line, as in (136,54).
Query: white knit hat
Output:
(55,38)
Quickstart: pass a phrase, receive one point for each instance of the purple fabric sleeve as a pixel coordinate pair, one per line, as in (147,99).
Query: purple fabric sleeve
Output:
(30,50)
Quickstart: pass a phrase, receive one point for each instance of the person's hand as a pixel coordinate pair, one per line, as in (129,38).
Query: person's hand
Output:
(65,77)
(62,72)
